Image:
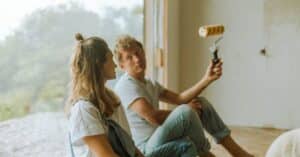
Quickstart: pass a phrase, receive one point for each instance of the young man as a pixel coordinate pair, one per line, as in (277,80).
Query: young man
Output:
(165,131)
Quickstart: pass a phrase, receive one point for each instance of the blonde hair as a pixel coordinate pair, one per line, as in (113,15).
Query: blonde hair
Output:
(124,43)
(87,78)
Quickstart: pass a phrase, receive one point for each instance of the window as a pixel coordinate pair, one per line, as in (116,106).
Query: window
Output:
(37,40)
(36,43)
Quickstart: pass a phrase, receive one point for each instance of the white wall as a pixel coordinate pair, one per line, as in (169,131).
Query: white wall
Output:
(255,90)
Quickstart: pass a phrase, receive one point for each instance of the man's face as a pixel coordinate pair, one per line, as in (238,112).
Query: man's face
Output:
(133,61)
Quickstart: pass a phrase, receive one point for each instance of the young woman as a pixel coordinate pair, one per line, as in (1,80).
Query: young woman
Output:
(89,100)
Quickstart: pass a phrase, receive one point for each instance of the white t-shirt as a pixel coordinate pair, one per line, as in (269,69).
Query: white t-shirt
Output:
(129,89)
(85,121)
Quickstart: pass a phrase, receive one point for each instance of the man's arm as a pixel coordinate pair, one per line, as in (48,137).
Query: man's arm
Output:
(148,112)
(186,96)
(213,73)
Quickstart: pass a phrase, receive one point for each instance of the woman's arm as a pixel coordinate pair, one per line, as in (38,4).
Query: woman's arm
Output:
(100,146)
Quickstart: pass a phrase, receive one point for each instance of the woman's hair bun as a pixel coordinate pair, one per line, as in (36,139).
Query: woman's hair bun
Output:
(78,37)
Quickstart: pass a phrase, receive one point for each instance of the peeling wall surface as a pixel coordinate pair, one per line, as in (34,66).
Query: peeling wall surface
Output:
(255,89)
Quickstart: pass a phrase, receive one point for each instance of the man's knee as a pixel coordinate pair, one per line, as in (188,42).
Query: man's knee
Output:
(186,111)
(205,104)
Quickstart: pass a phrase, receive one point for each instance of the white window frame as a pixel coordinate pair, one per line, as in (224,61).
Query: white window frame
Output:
(155,40)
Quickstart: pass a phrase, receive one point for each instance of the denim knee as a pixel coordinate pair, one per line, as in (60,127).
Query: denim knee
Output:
(205,104)
(187,112)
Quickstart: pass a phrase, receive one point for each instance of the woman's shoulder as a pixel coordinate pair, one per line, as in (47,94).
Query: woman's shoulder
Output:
(84,107)
(85,121)
(83,103)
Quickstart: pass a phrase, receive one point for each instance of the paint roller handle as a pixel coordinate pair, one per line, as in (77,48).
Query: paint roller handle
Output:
(215,57)
(214,50)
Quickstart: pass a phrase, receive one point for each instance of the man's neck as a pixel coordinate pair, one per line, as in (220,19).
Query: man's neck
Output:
(140,77)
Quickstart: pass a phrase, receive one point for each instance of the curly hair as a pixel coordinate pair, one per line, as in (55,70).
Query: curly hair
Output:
(124,43)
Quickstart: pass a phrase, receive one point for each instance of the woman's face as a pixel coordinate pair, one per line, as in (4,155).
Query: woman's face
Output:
(109,67)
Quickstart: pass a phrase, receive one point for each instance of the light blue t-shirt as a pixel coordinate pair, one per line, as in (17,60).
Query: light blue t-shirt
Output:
(129,89)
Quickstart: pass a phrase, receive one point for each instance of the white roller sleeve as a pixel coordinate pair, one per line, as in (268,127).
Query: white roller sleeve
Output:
(211,30)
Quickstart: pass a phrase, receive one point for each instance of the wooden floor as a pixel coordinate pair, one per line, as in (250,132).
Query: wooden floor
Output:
(255,140)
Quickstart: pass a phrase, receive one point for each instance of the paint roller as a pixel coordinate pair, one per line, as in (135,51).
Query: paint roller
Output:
(213,30)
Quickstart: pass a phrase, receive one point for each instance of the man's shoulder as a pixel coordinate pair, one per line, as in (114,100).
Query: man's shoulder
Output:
(124,84)
(124,80)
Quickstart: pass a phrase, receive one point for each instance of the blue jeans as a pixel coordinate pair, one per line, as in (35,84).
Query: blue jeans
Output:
(182,133)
